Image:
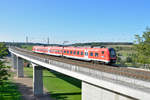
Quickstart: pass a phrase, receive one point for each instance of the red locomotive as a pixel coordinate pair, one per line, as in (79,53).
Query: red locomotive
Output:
(105,55)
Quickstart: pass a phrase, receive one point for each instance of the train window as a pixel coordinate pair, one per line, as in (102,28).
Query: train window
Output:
(74,52)
(81,53)
(102,52)
(70,52)
(58,51)
(91,54)
(64,51)
(67,52)
(77,52)
(96,54)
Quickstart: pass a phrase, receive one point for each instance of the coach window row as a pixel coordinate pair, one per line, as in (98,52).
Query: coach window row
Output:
(44,50)
(73,52)
(57,51)
(92,54)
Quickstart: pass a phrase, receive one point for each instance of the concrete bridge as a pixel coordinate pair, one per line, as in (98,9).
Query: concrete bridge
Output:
(96,85)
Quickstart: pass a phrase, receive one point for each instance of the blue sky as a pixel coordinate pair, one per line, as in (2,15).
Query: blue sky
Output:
(73,20)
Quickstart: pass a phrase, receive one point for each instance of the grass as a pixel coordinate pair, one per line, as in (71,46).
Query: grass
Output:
(61,87)
(28,47)
(9,91)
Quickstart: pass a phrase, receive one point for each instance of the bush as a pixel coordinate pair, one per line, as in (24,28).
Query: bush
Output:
(119,54)
(129,59)
(118,59)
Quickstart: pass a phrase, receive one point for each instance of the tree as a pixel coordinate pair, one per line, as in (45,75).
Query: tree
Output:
(142,47)
(3,68)
(3,72)
(3,50)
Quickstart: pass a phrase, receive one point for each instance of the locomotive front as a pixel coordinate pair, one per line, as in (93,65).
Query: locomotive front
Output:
(112,55)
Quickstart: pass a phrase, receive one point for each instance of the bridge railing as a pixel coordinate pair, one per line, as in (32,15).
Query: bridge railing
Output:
(118,79)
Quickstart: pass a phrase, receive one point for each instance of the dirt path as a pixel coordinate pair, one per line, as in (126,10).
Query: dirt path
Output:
(25,88)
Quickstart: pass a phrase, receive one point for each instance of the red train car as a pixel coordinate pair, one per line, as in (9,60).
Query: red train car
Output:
(106,55)
(51,50)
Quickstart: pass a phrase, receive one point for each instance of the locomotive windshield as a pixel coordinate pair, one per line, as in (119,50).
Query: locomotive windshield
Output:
(112,52)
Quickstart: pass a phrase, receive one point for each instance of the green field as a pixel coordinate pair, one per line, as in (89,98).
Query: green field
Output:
(9,91)
(28,47)
(61,87)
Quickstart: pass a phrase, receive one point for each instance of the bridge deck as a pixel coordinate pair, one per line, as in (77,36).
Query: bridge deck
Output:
(123,71)
(131,82)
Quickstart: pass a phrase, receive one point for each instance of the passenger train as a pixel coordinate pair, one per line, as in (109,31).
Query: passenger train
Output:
(104,55)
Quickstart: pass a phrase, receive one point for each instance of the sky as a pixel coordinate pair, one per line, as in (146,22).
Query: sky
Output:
(73,20)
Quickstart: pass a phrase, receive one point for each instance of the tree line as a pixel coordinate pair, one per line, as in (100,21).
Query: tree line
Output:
(140,56)
(142,48)
(102,43)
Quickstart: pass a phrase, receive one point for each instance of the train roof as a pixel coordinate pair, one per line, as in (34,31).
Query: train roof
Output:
(73,48)
(87,48)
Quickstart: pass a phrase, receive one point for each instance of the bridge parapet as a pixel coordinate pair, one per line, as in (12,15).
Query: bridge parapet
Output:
(96,77)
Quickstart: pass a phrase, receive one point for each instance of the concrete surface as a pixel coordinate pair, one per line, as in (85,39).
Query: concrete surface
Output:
(91,92)
(20,69)
(14,61)
(37,80)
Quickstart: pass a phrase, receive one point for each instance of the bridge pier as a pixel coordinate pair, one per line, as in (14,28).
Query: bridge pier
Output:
(37,80)
(20,67)
(91,92)
(14,61)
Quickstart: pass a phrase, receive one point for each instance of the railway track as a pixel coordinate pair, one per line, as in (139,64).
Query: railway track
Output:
(123,71)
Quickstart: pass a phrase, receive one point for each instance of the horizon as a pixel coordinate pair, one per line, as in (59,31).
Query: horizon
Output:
(106,43)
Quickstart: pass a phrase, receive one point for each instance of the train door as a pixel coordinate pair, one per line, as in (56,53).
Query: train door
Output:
(49,50)
(102,56)
(85,54)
